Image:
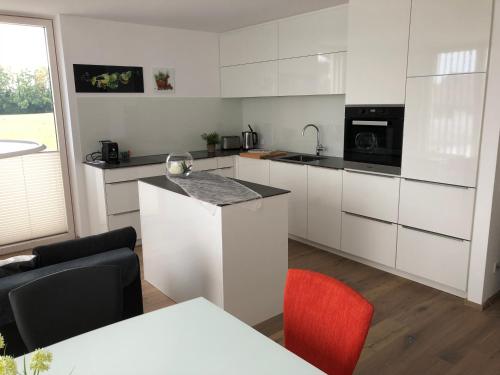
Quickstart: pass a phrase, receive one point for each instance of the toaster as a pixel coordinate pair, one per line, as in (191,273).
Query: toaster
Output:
(230,142)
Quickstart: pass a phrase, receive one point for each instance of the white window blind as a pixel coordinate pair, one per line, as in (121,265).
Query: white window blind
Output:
(31,198)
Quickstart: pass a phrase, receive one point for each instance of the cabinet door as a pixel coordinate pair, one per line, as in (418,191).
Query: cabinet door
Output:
(312,75)
(449,36)
(248,45)
(442,259)
(133,173)
(292,177)
(225,172)
(324,201)
(442,132)
(437,208)
(370,239)
(128,219)
(253,170)
(205,164)
(250,80)
(225,161)
(122,197)
(378,49)
(375,196)
(320,32)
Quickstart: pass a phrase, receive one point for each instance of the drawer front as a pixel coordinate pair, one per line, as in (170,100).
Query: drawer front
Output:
(225,162)
(225,172)
(133,173)
(122,197)
(205,164)
(371,195)
(435,257)
(129,219)
(253,170)
(437,208)
(370,239)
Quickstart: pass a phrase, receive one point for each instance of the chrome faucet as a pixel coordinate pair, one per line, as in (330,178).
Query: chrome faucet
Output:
(319,146)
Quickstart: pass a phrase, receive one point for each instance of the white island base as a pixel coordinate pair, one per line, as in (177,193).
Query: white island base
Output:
(235,256)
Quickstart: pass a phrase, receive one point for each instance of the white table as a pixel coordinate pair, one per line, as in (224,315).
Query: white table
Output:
(11,148)
(193,337)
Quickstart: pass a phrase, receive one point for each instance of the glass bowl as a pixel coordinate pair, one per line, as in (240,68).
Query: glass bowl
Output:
(179,164)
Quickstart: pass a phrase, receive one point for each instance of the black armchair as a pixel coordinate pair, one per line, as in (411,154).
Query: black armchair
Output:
(113,248)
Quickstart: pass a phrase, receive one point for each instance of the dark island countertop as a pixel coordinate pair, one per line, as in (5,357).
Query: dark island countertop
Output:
(163,182)
(331,162)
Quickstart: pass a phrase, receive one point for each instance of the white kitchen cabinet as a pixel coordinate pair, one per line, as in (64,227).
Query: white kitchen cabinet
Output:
(442,259)
(378,51)
(369,239)
(250,80)
(313,33)
(324,201)
(225,172)
(443,118)
(437,208)
(122,197)
(204,164)
(133,173)
(248,45)
(449,36)
(371,195)
(312,75)
(292,177)
(253,170)
(225,161)
(128,219)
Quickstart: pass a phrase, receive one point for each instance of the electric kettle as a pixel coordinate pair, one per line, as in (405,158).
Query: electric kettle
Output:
(250,139)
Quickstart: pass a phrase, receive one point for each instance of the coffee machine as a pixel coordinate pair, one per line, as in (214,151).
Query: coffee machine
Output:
(250,139)
(109,152)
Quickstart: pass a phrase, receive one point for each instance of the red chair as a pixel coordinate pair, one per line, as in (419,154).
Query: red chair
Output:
(325,321)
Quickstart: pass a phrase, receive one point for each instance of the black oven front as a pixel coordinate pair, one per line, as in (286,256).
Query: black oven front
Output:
(374,134)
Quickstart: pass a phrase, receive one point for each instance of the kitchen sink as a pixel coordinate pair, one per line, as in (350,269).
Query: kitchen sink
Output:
(303,158)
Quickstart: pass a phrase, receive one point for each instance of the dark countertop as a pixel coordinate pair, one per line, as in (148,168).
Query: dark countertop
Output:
(138,161)
(327,162)
(164,183)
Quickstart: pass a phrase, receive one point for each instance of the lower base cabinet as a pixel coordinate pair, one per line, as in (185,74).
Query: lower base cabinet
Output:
(324,201)
(126,219)
(253,170)
(435,257)
(370,239)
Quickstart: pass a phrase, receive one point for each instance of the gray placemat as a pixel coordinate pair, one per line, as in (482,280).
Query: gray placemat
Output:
(215,189)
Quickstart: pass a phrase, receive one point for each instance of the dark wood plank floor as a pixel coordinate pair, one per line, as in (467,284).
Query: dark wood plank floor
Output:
(416,329)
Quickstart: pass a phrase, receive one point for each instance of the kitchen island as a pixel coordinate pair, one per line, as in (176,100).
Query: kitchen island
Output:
(235,255)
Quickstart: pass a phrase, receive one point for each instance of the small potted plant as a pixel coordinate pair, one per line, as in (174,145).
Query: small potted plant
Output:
(212,139)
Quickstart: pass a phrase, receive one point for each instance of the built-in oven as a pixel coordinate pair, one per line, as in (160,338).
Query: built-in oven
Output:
(374,134)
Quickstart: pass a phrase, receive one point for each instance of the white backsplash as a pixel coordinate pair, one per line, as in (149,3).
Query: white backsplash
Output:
(279,122)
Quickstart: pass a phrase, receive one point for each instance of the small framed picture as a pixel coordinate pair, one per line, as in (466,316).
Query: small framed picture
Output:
(164,80)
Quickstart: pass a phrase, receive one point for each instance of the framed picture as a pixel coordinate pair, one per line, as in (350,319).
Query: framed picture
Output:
(164,80)
(108,78)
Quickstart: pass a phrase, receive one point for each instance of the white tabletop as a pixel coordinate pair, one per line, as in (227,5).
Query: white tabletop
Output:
(11,148)
(193,337)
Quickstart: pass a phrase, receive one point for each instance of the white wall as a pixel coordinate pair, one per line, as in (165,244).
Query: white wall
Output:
(485,249)
(194,56)
(147,126)
(279,122)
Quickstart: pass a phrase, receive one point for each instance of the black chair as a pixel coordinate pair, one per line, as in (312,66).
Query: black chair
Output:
(67,303)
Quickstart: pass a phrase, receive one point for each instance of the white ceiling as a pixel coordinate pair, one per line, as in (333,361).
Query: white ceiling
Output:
(207,15)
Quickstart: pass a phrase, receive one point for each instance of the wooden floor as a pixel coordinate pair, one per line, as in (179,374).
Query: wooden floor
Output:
(416,329)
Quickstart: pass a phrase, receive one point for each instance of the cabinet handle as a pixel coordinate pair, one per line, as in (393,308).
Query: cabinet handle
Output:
(370,173)
(438,183)
(369,218)
(433,233)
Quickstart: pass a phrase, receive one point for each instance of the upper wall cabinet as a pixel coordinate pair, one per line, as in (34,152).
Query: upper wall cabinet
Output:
(313,33)
(249,80)
(312,75)
(378,50)
(449,36)
(248,45)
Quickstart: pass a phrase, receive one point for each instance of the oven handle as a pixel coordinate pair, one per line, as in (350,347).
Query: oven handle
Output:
(370,123)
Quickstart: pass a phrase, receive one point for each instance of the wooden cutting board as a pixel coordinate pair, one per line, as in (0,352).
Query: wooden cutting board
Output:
(264,154)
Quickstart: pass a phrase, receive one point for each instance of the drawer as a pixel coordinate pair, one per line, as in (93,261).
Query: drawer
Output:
(205,164)
(225,162)
(374,240)
(133,173)
(439,258)
(437,208)
(226,172)
(122,197)
(371,195)
(253,170)
(129,219)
